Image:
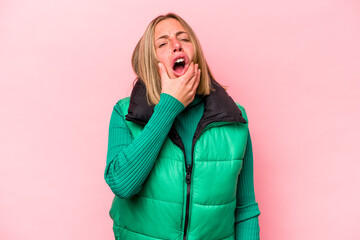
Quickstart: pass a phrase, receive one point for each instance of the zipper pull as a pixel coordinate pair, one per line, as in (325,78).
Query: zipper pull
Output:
(188,174)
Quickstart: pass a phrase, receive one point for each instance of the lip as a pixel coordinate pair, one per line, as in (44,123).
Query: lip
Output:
(181,55)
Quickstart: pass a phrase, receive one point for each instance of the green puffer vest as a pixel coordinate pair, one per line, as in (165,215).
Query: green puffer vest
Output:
(195,202)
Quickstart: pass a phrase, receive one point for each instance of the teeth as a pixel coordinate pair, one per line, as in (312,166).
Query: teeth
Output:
(179,60)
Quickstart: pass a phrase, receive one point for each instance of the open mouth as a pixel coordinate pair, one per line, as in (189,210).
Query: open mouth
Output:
(179,65)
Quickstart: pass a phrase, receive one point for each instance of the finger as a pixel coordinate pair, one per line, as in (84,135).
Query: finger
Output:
(163,72)
(193,79)
(197,80)
(190,72)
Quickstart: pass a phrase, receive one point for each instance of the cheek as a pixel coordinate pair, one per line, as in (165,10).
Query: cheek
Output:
(191,51)
(162,56)
(158,54)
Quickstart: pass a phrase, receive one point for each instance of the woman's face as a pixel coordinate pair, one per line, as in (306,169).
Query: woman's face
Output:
(173,47)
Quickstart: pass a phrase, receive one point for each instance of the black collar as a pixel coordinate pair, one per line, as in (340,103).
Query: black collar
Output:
(218,107)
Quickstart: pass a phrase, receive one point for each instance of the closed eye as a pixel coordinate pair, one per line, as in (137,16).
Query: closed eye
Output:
(162,44)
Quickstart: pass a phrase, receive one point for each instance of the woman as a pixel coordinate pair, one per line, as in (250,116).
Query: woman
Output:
(179,155)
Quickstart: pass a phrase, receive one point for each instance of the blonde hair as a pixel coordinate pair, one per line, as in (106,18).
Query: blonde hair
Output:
(144,61)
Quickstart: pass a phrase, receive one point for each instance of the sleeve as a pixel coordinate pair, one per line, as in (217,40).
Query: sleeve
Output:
(129,161)
(247,209)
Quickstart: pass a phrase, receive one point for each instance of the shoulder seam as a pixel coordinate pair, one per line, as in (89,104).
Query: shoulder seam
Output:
(120,103)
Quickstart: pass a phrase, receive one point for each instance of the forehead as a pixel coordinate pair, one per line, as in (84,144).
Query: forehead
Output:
(168,27)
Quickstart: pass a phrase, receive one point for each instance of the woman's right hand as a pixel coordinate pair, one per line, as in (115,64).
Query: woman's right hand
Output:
(182,88)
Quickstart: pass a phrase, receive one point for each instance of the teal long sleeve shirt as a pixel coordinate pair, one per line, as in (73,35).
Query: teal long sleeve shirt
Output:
(130,161)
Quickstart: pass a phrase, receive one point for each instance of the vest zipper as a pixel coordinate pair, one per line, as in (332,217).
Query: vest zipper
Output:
(188,184)
(189,171)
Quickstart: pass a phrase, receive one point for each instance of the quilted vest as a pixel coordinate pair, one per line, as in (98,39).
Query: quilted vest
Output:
(194,202)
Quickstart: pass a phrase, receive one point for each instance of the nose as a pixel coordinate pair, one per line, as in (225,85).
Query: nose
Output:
(176,45)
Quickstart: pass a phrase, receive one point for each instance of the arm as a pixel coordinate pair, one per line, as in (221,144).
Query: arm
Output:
(130,161)
(247,210)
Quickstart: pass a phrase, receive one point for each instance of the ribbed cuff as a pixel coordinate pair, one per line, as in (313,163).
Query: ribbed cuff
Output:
(247,211)
(249,229)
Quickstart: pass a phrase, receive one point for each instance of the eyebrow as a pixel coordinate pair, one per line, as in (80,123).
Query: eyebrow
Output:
(167,36)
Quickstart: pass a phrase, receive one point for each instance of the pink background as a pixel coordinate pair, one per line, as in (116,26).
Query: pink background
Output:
(294,65)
